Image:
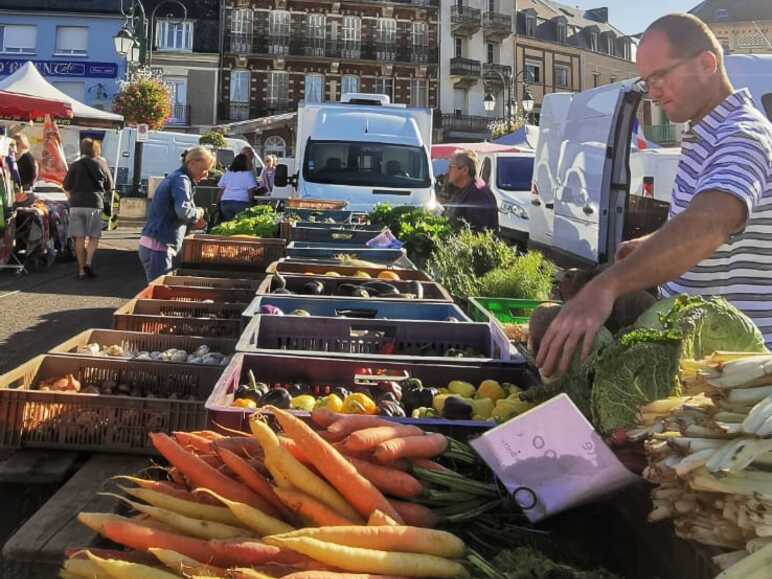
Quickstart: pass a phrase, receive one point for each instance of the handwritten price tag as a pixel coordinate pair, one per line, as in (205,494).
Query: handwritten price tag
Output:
(551,459)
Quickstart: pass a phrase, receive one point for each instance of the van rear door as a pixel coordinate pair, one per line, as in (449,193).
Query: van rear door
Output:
(593,176)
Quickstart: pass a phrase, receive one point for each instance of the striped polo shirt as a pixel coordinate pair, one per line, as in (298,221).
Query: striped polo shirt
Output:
(730,150)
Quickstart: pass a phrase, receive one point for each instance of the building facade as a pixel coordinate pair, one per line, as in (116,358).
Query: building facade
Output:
(185,53)
(562,48)
(69,41)
(741,27)
(476,58)
(277,53)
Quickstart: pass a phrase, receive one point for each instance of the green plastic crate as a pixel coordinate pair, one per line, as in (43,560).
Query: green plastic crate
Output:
(505,310)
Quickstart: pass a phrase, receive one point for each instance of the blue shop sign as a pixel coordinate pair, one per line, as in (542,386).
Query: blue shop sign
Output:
(62,68)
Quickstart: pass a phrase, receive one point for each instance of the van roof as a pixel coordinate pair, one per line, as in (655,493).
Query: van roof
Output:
(366,123)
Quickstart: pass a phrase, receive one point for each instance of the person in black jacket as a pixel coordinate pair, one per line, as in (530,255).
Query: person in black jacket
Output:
(473,202)
(87,184)
(28,166)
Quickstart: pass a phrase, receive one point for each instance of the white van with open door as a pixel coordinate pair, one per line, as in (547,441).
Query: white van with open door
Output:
(508,176)
(594,208)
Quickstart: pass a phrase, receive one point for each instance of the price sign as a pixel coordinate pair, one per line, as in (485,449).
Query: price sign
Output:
(143,131)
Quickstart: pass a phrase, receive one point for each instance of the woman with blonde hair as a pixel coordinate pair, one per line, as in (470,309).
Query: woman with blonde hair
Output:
(28,166)
(171,212)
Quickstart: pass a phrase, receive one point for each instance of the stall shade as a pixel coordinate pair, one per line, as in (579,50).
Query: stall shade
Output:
(24,107)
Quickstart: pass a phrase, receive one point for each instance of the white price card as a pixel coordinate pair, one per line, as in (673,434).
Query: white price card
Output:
(552,459)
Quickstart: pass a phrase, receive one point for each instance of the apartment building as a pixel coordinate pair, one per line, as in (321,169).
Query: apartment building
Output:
(742,27)
(276,53)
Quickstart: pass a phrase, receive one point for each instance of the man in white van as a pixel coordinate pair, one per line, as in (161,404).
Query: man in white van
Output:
(718,240)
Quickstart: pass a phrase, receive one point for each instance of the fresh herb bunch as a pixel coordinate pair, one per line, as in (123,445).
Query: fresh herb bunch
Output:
(528,276)
(418,229)
(258,220)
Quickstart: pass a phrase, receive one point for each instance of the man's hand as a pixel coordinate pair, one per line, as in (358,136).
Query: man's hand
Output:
(577,324)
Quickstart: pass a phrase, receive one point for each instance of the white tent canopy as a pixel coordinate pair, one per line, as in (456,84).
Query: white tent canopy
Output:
(28,80)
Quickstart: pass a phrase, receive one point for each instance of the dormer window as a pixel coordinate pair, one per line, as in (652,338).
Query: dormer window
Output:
(721,14)
(561,31)
(530,24)
(593,40)
(607,43)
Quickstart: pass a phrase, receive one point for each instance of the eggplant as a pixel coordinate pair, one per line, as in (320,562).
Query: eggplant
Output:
(381,289)
(296,390)
(457,409)
(391,408)
(244,391)
(346,289)
(282,291)
(418,398)
(387,396)
(314,288)
(413,384)
(278,397)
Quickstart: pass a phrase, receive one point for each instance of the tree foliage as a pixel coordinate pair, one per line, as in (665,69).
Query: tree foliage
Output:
(213,139)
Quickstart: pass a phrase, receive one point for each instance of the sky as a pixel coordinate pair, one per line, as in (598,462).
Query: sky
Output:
(633,16)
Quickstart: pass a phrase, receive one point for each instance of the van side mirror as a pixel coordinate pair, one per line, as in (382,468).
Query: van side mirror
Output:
(281,176)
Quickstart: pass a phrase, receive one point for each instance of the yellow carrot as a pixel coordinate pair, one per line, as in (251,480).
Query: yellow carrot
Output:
(183,507)
(126,570)
(279,477)
(184,565)
(359,560)
(380,519)
(85,568)
(298,474)
(188,525)
(387,538)
(247,573)
(256,520)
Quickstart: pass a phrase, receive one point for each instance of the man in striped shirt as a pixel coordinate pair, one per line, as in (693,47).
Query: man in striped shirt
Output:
(718,240)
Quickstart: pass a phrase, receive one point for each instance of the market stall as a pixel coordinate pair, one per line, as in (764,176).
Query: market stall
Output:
(266,442)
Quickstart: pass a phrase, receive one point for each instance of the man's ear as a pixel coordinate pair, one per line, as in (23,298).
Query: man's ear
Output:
(708,62)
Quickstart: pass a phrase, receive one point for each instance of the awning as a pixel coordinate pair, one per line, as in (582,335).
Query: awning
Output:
(24,108)
(445,150)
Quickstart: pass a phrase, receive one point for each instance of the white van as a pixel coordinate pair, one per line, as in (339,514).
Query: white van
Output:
(582,201)
(160,153)
(363,150)
(509,177)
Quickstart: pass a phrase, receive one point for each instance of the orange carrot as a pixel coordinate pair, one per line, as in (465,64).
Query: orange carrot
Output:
(414,514)
(351,422)
(141,537)
(428,464)
(211,459)
(241,445)
(294,449)
(358,491)
(378,519)
(310,508)
(235,552)
(323,417)
(368,438)
(208,434)
(177,477)
(425,446)
(388,480)
(203,475)
(253,480)
(200,444)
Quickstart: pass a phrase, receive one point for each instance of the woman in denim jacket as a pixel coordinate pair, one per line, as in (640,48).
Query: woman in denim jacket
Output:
(171,211)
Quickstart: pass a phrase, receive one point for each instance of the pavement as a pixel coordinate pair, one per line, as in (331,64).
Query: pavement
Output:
(40,310)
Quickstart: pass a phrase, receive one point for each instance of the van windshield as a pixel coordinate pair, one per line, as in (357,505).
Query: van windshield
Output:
(514,173)
(366,164)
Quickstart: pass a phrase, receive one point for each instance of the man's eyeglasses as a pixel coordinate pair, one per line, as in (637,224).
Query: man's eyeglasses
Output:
(657,78)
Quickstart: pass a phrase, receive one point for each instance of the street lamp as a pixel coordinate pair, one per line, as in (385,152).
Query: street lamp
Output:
(124,41)
(527,102)
(489,103)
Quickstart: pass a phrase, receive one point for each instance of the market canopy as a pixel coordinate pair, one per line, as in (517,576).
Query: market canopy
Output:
(23,107)
(28,81)
(525,136)
(445,150)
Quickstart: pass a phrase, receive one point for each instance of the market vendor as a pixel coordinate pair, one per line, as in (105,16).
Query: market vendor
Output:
(28,166)
(171,212)
(717,241)
(473,202)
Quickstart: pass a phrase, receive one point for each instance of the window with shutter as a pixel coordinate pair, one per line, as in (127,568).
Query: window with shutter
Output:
(72,40)
(349,84)
(239,95)
(17,39)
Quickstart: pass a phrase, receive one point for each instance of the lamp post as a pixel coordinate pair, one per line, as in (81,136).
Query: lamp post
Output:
(135,42)
(489,101)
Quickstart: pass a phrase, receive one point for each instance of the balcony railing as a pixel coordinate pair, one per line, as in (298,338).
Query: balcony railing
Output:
(465,19)
(490,69)
(418,54)
(180,115)
(467,123)
(496,25)
(662,134)
(238,112)
(278,105)
(465,67)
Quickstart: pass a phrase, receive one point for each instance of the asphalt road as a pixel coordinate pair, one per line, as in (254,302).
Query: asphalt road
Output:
(40,310)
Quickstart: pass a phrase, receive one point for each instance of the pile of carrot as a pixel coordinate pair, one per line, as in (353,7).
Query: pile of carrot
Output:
(331,502)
